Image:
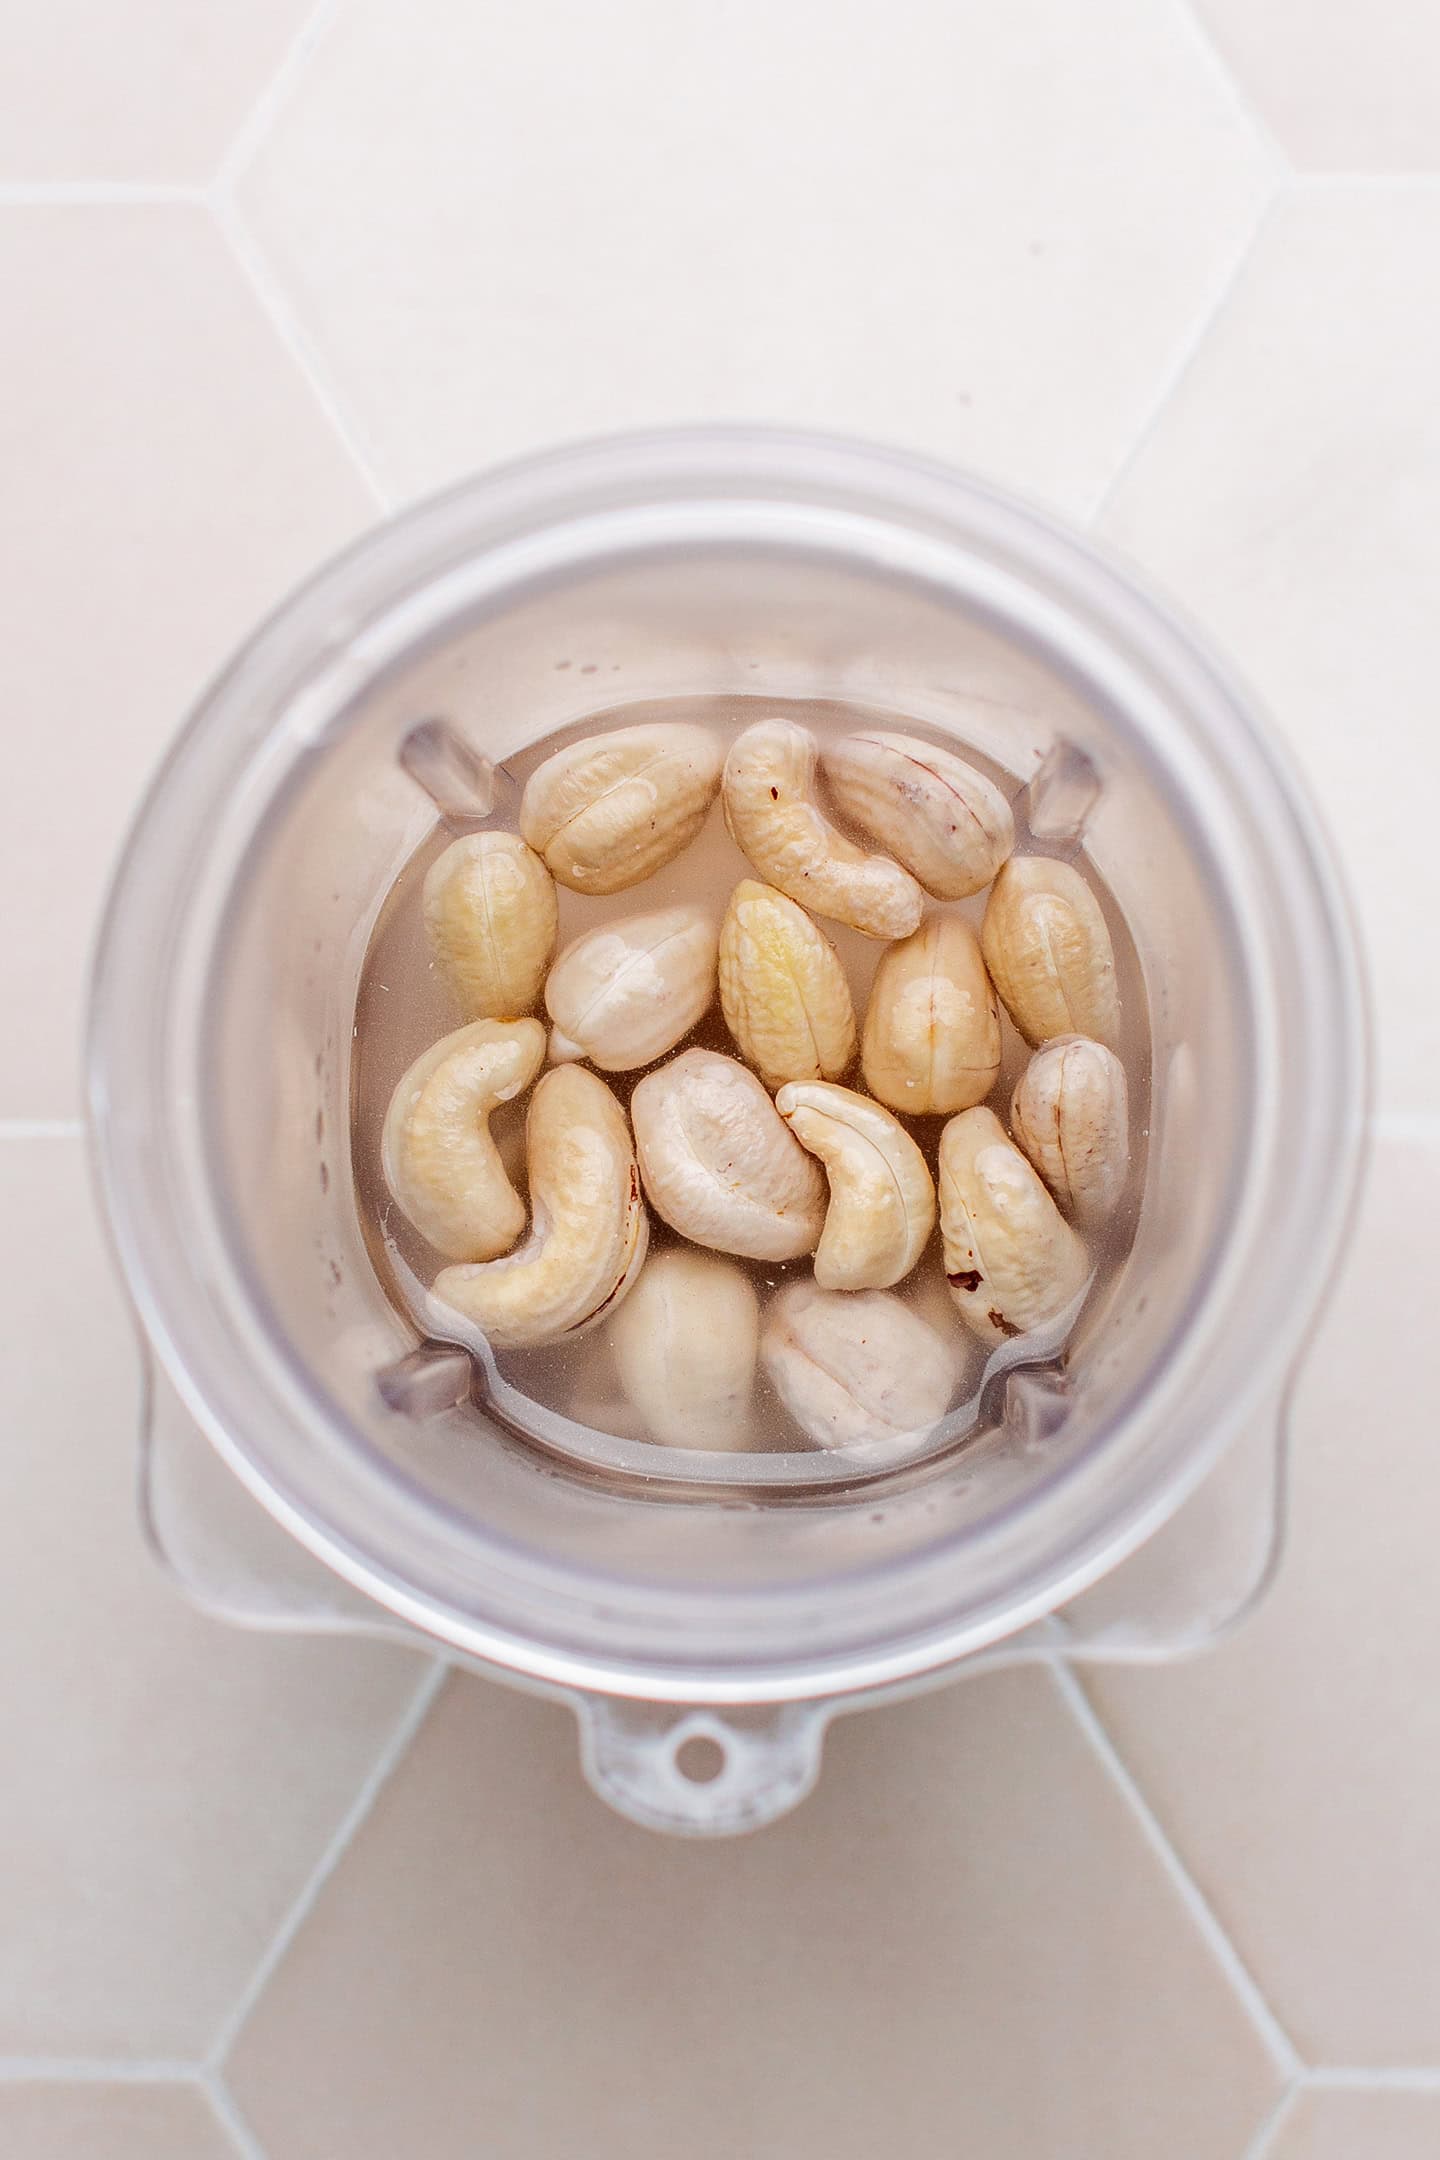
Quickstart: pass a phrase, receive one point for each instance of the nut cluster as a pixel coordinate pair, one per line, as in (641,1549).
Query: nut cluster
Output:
(768,1156)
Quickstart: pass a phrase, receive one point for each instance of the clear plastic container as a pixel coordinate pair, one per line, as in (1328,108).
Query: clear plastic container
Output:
(726,564)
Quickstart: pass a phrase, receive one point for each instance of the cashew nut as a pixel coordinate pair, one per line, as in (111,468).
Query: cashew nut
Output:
(625,993)
(685,1342)
(944,821)
(589,1229)
(440,1163)
(882,1197)
(720,1165)
(782,989)
(1048,950)
(932,1027)
(490,911)
(858,1366)
(1011,1259)
(768,796)
(610,810)
(1070,1115)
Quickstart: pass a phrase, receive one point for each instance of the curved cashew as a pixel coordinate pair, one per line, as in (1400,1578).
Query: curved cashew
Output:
(856,1366)
(1070,1114)
(1048,950)
(612,809)
(490,912)
(948,824)
(932,1026)
(782,989)
(685,1342)
(1011,1259)
(625,993)
(719,1164)
(768,795)
(589,1229)
(882,1197)
(440,1163)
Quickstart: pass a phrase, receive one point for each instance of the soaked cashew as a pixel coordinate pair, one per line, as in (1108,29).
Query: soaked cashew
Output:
(440,1163)
(932,1026)
(612,809)
(948,824)
(1070,1114)
(589,1229)
(490,913)
(720,1165)
(882,1197)
(782,989)
(856,1367)
(1048,950)
(768,797)
(685,1342)
(1011,1259)
(625,993)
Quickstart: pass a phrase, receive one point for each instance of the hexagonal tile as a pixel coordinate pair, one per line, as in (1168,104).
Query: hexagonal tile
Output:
(951,1947)
(1287,496)
(148,92)
(1330,2125)
(1293,1766)
(1345,86)
(97,2121)
(988,235)
(167,476)
(179,1779)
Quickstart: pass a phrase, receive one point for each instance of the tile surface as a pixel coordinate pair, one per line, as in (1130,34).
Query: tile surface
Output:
(168,476)
(882,1971)
(151,91)
(1346,86)
(623,216)
(47,2121)
(1360,2126)
(180,1778)
(1290,1764)
(1288,497)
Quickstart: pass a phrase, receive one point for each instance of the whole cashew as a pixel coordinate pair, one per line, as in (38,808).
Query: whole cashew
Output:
(948,824)
(782,989)
(718,1162)
(440,1163)
(768,797)
(1070,1114)
(685,1342)
(491,912)
(611,809)
(589,1229)
(1011,1259)
(882,1197)
(932,1026)
(1048,949)
(625,992)
(853,1367)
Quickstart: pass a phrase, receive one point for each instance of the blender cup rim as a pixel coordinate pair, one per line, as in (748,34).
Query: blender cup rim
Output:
(150,1166)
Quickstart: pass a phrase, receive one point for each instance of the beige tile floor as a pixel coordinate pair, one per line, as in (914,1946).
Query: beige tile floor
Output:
(1172,266)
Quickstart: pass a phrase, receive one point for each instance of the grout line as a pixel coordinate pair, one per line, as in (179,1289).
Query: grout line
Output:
(263,114)
(1407,1125)
(93,2070)
(1175,374)
(1263,2141)
(1341,2079)
(232,2122)
(94,194)
(1282,2049)
(296,340)
(386,1763)
(1221,69)
(40,1128)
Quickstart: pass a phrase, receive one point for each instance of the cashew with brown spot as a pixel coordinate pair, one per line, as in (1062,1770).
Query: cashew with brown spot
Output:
(626,992)
(1012,1261)
(685,1343)
(882,1197)
(719,1163)
(490,914)
(440,1163)
(1048,949)
(782,989)
(1070,1114)
(856,1367)
(944,821)
(768,794)
(612,809)
(589,1228)
(932,1026)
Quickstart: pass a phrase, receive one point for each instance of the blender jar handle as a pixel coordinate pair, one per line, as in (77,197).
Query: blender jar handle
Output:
(700,1772)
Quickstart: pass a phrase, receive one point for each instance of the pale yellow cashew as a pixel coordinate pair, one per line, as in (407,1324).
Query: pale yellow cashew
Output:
(1070,1114)
(769,799)
(1012,1261)
(685,1342)
(948,824)
(440,1163)
(589,1228)
(611,809)
(1048,949)
(782,989)
(490,914)
(932,1026)
(882,1197)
